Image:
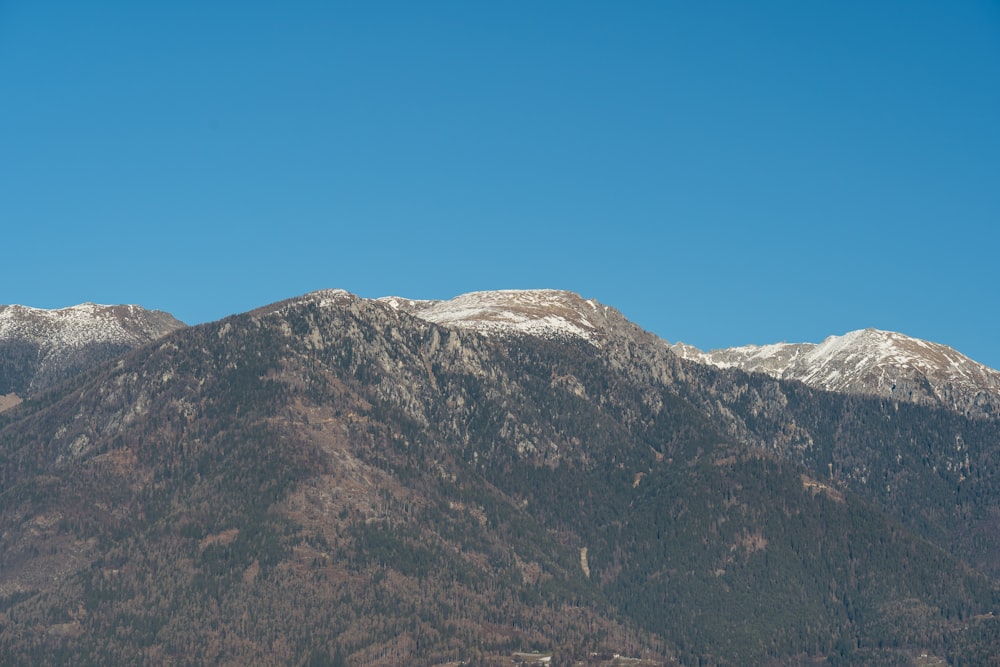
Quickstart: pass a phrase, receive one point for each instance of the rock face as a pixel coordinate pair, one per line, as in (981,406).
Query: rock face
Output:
(871,362)
(40,348)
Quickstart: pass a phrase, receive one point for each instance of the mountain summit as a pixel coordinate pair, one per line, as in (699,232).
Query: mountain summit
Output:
(871,362)
(39,347)
(546,313)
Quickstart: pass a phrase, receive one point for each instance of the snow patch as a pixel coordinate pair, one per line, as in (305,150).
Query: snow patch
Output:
(543,313)
(863,361)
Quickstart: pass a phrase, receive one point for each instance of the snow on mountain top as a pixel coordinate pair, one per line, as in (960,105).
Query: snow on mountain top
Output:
(869,361)
(54,344)
(328,297)
(866,361)
(871,345)
(84,323)
(542,312)
(888,347)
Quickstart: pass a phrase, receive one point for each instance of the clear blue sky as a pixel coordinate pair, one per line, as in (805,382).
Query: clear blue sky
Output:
(721,172)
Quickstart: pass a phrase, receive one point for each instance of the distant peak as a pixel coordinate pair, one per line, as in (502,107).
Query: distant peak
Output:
(869,361)
(66,340)
(86,305)
(85,311)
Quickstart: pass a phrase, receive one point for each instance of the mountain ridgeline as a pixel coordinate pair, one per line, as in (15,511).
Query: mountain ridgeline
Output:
(334,480)
(874,363)
(41,348)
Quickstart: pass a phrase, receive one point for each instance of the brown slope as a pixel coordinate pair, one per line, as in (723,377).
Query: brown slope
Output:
(249,464)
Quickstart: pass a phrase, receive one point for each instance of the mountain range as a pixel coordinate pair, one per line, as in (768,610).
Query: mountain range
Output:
(865,362)
(38,348)
(506,475)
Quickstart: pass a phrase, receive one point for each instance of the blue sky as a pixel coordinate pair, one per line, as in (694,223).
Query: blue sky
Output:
(722,172)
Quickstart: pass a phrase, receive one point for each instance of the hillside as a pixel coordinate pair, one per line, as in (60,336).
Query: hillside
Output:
(335,480)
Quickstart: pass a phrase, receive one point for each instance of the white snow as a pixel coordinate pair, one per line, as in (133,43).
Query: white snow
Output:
(74,326)
(546,313)
(59,332)
(867,360)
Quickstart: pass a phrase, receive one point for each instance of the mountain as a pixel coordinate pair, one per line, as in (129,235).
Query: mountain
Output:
(871,362)
(867,362)
(544,313)
(40,348)
(849,441)
(335,480)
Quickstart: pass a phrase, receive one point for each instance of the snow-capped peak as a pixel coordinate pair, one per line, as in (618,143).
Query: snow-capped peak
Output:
(870,361)
(84,323)
(543,312)
(49,342)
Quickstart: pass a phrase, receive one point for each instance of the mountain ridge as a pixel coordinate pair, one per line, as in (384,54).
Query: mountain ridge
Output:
(872,362)
(41,347)
(539,312)
(866,361)
(44,346)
